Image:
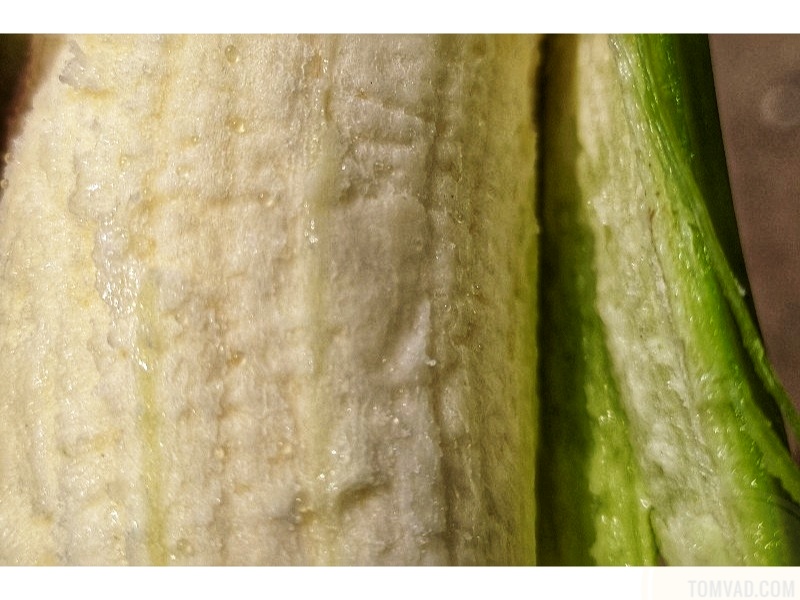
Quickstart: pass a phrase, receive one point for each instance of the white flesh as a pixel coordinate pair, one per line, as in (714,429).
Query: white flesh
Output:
(270,300)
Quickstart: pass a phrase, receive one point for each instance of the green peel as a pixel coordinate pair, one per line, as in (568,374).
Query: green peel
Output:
(671,77)
(645,279)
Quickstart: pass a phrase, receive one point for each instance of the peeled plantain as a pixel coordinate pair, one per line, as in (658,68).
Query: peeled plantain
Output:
(278,300)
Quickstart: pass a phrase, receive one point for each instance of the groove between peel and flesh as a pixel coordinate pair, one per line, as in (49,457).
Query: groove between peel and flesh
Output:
(270,300)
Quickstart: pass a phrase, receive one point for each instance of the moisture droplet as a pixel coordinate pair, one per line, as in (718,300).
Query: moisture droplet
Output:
(7,157)
(309,233)
(780,104)
(381,167)
(285,449)
(236,124)
(232,54)
(268,200)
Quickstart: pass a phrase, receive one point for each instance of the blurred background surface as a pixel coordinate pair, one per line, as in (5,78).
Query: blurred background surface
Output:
(758,92)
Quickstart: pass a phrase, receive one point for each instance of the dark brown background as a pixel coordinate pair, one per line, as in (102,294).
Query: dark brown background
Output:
(758,91)
(13,49)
